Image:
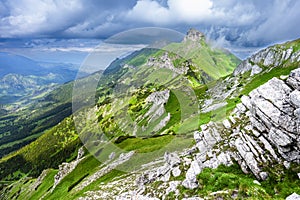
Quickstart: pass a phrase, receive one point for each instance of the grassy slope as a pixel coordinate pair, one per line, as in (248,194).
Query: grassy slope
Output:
(213,61)
(49,150)
(20,128)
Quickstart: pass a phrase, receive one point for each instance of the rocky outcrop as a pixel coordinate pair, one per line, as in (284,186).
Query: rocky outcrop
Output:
(274,56)
(193,35)
(294,79)
(66,168)
(162,173)
(157,101)
(262,131)
(166,62)
(40,179)
(124,157)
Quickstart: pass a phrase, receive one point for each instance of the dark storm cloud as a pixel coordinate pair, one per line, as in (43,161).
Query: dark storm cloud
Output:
(243,23)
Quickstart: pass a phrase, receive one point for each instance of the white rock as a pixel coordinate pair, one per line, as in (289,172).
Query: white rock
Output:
(256,182)
(232,119)
(172,186)
(295,98)
(283,77)
(246,101)
(286,164)
(197,136)
(166,177)
(176,171)
(293,196)
(279,138)
(190,181)
(263,175)
(294,79)
(270,58)
(112,155)
(255,70)
(226,124)
(172,159)
(242,68)
(269,147)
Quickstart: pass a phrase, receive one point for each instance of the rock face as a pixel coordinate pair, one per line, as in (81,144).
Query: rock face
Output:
(263,129)
(270,57)
(294,79)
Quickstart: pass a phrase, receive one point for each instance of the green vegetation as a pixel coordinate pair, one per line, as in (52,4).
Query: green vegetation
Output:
(146,145)
(48,151)
(232,181)
(213,61)
(21,128)
(262,78)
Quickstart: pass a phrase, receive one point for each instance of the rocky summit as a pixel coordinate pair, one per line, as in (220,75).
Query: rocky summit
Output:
(229,135)
(194,35)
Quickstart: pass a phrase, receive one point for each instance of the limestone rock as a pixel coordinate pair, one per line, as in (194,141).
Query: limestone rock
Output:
(255,70)
(40,179)
(293,196)
(193,35)
(173,187)
(172,159)
(226,124)
(295,98)
(176,171)
(190,181)
(66,168)
(294,79)
(279,137)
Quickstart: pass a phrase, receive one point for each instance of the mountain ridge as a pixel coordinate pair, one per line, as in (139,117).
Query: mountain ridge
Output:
(237,152)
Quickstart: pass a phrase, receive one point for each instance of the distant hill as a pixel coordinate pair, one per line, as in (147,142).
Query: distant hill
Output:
(21,77)
(16,64)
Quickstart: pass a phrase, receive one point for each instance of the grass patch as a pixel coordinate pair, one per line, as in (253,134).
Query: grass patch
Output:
(261,79)
(141,145)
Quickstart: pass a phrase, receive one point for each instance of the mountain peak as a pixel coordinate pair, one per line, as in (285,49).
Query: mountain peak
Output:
(194,35)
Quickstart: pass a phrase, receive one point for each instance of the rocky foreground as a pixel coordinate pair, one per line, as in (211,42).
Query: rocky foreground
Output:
(262,133)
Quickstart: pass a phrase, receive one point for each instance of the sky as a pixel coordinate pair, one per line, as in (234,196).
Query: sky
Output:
(77,25)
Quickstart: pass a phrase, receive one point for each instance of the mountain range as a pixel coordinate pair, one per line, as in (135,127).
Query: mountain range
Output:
(188,121)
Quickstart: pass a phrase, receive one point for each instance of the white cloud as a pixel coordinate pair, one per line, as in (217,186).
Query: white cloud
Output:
(252,22)
(232,12)
(149,11)
(190,11)
(178,11)
(38,17)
